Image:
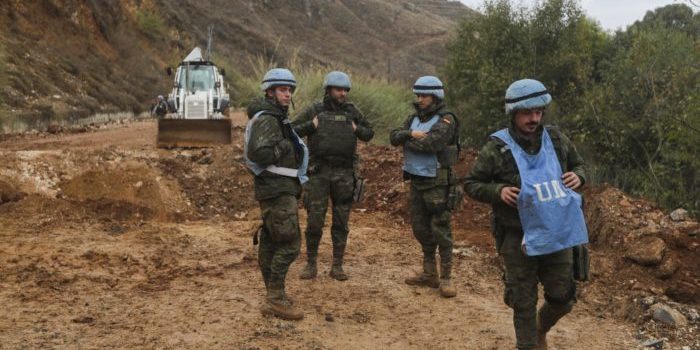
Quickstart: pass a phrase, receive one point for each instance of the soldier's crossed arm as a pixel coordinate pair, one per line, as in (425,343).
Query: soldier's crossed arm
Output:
(267,144)
(364,130)
(399,136)
(439,137)
(303,123)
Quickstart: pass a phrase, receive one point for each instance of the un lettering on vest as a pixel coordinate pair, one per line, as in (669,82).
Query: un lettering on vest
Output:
(553,191)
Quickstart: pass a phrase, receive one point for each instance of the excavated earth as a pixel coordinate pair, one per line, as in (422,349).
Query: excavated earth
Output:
(108,242)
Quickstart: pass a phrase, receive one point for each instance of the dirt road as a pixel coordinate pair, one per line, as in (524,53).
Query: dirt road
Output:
(115,244)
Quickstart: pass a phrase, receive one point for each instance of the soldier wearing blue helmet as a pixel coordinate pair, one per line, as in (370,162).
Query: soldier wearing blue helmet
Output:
(277,158)
(528,173)
(430,141)
(332,127)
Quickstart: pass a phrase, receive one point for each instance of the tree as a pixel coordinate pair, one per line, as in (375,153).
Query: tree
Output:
(642,122)
(553,42)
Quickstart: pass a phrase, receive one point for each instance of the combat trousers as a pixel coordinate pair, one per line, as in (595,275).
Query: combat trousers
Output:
(430,220)
(336,183)
(279,242)
(522,276)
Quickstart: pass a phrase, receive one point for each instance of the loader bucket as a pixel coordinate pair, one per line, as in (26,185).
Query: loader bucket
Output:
(193,132)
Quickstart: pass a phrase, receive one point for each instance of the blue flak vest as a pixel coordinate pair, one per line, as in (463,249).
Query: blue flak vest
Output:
(421,163)
(550,212)
(300,147)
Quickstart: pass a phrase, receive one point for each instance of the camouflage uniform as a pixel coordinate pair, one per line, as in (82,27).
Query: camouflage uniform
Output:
(430,215)
(495,168)
(330,176)
(271,143)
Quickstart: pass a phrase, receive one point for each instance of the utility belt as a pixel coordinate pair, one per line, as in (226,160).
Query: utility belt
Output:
(445,177)
(345,163)
(335,161)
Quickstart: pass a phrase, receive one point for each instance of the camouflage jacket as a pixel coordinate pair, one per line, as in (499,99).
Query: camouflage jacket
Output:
(303,123)
(495,168)
(440,137)
(271,144)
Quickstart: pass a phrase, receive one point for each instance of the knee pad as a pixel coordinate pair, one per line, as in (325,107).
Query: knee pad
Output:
(566,301)
(516,303)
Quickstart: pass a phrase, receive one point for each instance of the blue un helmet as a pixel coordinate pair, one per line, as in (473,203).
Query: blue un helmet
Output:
(337,79)
(429,85)
(526,94)
(278,77)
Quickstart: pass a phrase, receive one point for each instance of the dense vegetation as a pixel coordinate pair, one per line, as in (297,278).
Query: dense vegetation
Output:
(630,100)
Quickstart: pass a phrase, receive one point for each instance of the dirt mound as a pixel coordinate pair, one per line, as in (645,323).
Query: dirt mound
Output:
(662,255)
(38,212)
(386,191)
(9,193)
(214,180)
(130,190)
(640,257)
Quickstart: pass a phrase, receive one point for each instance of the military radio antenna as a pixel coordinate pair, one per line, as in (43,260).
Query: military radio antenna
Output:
(210,42)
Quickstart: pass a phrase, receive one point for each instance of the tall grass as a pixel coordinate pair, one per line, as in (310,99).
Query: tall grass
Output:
(3,84)
(385,105)
(151,24)
(3,73)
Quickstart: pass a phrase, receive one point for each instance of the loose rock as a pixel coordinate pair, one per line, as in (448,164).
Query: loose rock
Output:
(648,301)
(668,267)
(54,129)
(693,315)
(654,343)
(668,315)
(649,251)
(680,215)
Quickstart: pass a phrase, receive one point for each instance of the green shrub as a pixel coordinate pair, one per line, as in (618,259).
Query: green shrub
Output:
(642,125)
(151,24)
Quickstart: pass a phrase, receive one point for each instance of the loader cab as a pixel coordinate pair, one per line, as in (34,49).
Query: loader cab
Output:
(202,84)
(197,77)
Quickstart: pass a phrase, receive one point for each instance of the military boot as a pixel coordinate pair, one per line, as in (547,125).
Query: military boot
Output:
(547,317)
(541,335)
(447,290)
(337,269)
(310,270)
(428,277)
(279,306)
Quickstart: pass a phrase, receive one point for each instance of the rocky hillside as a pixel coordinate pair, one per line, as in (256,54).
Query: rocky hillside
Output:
(74,58)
